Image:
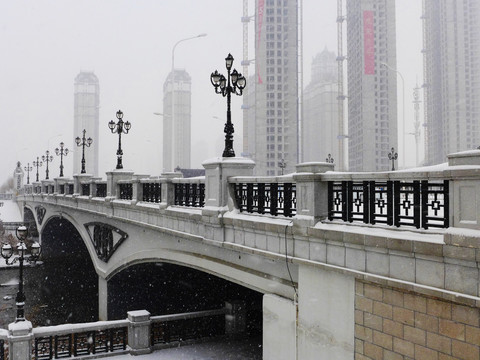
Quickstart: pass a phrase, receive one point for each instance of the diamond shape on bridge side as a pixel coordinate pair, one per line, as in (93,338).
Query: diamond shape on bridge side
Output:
(105,238)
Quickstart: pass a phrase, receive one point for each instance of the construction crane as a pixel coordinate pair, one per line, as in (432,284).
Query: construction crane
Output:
(341,96)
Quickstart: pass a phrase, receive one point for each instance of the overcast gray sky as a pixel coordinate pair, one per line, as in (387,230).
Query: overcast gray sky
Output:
(128,44)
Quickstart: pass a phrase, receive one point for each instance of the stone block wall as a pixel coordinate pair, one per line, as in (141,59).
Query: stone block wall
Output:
(392,324)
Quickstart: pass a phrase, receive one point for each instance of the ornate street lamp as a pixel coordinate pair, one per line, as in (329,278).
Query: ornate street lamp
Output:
(37,164)
(119,128)
(7,252)
(61,152)
(393,156)
(226,87)
(28,168)
(83,142)
(46,159)
(329,159)
(282,165)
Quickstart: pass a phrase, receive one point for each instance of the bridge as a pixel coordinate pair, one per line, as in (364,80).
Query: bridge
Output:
(350,265)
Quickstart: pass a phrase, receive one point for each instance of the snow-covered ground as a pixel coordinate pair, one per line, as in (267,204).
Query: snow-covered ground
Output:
(224,350)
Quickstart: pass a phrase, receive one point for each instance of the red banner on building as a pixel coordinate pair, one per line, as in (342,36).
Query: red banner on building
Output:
(368,43)
(261,6)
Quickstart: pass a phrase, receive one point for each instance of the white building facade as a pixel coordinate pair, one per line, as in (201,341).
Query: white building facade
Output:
(452,77)
(372,84)
(86,116)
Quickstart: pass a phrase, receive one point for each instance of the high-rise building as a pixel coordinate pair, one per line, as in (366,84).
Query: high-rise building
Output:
(177,140)
(320,110)
(372,84)
(276,87)
(86,116)
(452,77)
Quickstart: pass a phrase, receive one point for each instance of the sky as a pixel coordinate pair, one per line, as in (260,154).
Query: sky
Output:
(128,44)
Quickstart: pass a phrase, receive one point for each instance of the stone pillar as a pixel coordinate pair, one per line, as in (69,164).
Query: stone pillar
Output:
(78,179)
(464,189)
(312,193)
(139,332)
(21,336)
(326,315)
(217,190)
(235,319)
(102,299)
(279,322)
(113,177)
(168,189)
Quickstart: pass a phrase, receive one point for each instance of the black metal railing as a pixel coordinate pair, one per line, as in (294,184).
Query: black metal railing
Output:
(187,329)
(187,194)
(70,189)
(152,192)
(80,344)
(62,189)
(399,203)
(267,198)
(85,189)
(3,350)
(101,190)
(126,191)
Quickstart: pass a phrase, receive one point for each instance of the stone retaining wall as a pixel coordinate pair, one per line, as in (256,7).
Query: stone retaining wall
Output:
(392,324)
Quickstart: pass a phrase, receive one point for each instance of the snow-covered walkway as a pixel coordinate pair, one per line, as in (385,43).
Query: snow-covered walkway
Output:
(224,350)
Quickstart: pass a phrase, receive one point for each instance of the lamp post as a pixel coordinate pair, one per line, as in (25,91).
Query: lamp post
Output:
(46,159)
(61,152)
(403,106)
(37,164)
(7,252)
(282,165)
(119,128)
(226,87)
(393,156)
(172,118)
(329,159)
(28,168)
(83,142)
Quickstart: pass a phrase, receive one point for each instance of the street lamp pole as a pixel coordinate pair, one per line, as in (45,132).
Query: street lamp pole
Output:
(119,128)
(172,118)
(226,87)
(61,152)
(403,105)
(46,159)
(37,164)
(7,252)
(393,156)
(28,168)
(83,142)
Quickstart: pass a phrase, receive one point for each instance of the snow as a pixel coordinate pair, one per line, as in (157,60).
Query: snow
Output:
(10,212)
(217,350)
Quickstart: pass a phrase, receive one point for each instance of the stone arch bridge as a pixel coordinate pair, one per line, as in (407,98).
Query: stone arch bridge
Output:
(350,264)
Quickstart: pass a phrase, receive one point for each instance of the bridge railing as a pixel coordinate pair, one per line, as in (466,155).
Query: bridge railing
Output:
(138,334)
(266,195)
(189,192)
(4,344)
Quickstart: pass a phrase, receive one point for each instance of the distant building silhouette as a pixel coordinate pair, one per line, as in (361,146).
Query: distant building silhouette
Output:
(452,77)
(272,133)
(182,117)
(86,116)
(372,86)
(320,110)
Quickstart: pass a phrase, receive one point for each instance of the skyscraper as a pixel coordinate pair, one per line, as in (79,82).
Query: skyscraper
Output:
(320,110)
(372,84)
(177,140)
(86,116)
(276,87)
(452,77)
